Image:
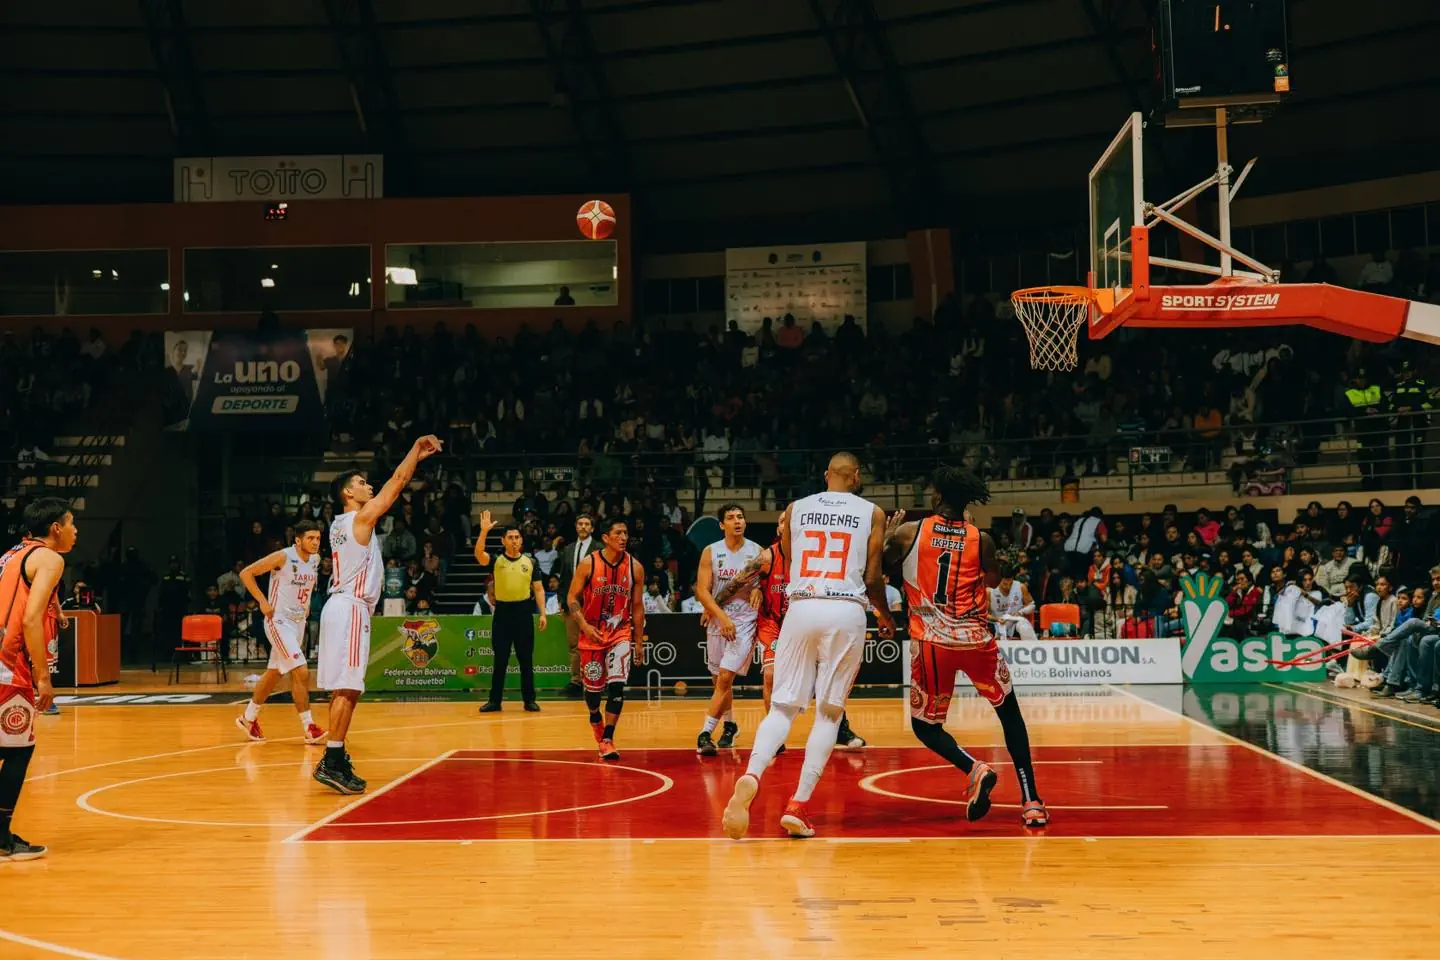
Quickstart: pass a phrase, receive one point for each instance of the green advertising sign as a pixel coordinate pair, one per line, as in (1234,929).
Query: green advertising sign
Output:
(453,653)
(1211,658)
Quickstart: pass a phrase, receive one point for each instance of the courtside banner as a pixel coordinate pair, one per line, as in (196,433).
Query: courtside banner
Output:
(1079,662)
(246,380)
(453,653)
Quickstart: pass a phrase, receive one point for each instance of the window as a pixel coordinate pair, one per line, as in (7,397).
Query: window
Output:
(1302,239)
(490,276)
(1337,236)
(84,283)
(1372,232)
(1407,227)
(252,279)
(712,294)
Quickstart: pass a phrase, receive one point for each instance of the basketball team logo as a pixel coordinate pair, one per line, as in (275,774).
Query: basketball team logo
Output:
(17,722)
(596,220)
(594,671)
(422,641)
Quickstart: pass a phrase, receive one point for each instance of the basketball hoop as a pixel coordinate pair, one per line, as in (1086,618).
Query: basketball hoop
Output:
(1052,317)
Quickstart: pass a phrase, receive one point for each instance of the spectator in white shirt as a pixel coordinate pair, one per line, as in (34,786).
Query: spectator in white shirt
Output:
(1332,573)
(690,604)
(229,581)
(1377,273)
(546,556)
(655,601)
(552,595)
(893,600)
(716,453)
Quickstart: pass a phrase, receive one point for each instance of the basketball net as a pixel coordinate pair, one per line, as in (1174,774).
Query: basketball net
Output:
(1052,317)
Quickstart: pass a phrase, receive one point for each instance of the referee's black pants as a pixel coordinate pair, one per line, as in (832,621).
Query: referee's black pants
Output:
(513,628)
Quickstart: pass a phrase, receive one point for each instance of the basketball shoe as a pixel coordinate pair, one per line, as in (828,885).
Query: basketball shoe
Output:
(15,850)
(796,822)
(1034,815)
(977,792)
(339,776)
(608,751)
(727,735)
(736,819)
(705,744)
(846,738)
(251,728)
(313,734)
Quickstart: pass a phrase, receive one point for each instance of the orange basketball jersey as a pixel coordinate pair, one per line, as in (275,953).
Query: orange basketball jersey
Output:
(944,585)
(16,670)
(606,600)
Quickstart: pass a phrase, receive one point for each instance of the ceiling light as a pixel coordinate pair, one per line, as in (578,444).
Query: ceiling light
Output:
(164,286)
(266,282)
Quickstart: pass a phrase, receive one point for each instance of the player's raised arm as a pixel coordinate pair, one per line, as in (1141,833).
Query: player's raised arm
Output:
(899,535)
(268,564)
(583,571)
(370,514)
(637,609)
(49,568)
(875,576)
(482,556)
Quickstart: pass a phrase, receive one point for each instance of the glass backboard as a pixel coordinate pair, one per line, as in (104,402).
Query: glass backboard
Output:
(1116,196)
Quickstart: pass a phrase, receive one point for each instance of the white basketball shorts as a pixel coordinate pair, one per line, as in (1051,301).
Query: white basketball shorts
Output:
(286,644)
(733,655)
(818,654)
(344,644)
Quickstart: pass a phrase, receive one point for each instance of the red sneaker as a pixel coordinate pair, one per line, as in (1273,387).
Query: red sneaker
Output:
(313,734)
(599,730)
(608,751)
(1034,815)
(795,821)
(251,728)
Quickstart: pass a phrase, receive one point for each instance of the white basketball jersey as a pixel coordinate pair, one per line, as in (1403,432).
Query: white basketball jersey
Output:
(724,565)
(829,541)
(356,568)
(1007,604)
(291,586)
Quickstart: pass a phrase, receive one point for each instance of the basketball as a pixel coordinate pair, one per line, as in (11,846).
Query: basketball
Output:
(596,219)
(681,688)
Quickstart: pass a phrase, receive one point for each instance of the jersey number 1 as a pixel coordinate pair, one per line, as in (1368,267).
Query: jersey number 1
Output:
(839,556)
(942,578)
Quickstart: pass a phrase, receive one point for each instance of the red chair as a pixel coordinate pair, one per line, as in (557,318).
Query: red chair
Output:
(200,633)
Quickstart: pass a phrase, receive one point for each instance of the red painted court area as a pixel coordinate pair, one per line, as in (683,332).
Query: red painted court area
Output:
(880,792)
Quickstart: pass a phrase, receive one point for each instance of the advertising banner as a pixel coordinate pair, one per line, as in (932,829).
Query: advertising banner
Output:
(245,380)
(419,654)
(336,177)
(1060,662)
(1211,658)
(820,283)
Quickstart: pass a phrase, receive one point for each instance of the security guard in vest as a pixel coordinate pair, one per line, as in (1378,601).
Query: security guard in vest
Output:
(1409,401)
(515,590)
(1364,400)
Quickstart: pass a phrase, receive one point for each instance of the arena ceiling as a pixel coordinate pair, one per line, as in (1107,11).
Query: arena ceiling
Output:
(727,119)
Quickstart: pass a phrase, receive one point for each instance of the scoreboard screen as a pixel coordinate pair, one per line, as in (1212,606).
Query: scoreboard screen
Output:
(1224,51)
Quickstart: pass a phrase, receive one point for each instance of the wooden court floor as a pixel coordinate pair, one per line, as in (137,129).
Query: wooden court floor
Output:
(501,836)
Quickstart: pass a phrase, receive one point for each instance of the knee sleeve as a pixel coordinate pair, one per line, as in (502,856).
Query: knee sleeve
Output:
(616,693)
(592,700)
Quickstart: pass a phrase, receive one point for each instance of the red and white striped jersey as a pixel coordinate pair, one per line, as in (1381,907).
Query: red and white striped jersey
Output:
(356,569)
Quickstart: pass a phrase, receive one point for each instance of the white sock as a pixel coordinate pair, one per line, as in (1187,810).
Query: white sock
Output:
(769,737)
(730,715)
(817,754)
(335,744)
(252,711)
(710,723)
(306,719)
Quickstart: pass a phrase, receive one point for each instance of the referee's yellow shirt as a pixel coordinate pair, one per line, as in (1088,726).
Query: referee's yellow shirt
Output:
(514,577)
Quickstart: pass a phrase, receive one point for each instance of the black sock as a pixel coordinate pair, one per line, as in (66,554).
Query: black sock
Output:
(938,739)
(594,716)
(1017,742)
(334,755)
(609,733)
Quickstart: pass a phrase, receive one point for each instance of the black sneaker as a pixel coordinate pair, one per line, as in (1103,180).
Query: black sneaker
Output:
(847,738)
(491,707)
(17,850)
(704,745)
(532,707)
(727,736)
(339,777)
(1387,690)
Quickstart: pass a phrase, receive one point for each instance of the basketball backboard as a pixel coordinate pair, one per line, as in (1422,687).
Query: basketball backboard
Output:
(1117,193)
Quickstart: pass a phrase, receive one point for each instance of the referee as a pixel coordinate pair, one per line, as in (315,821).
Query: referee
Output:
(514,590)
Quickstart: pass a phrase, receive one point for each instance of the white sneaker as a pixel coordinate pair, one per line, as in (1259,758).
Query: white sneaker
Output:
(736,820)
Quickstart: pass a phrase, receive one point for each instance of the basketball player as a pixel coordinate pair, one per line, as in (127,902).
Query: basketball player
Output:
(834,548)
(771,569)
(1011,606)
(729,629)
(607,601)
(30,576)
(948,564)
(286,609)
(356,578)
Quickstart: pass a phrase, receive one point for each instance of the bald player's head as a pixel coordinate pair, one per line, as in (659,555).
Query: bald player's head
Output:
(843,473)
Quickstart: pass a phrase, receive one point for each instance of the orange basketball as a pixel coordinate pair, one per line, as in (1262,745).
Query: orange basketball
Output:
(596,219)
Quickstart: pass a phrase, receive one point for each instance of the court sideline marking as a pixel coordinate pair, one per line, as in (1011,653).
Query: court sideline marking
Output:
(1349,788)
(64,951)
(1393,713)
